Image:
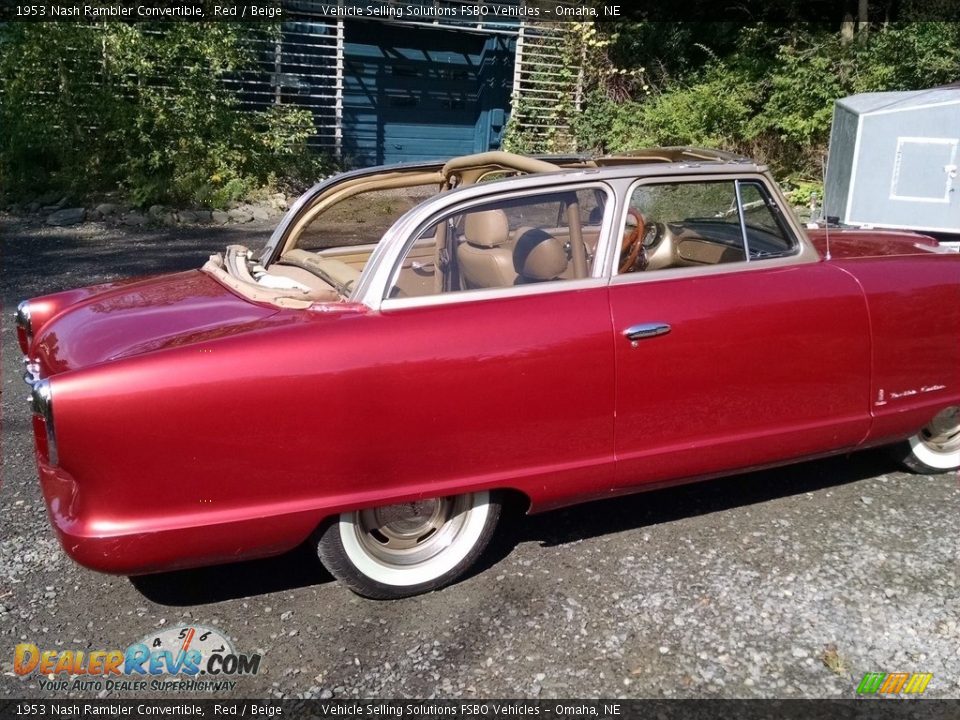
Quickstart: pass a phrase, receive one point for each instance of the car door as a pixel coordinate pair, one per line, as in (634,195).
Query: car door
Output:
(499,372)
(732,354)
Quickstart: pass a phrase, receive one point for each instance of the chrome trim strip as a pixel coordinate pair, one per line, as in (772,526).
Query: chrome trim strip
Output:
(41,403)
(743,221)
(23,320)
(451,298)
(719,269)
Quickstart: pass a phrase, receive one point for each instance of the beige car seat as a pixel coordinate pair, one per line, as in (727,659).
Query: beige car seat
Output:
(485,258)
(539,256)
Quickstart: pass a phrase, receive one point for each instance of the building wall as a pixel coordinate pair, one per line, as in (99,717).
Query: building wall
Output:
(384,92)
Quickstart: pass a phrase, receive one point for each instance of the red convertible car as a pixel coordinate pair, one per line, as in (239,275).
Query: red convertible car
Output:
(416,342)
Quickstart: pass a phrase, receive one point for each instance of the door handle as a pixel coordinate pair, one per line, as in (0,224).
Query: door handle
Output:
(642,331)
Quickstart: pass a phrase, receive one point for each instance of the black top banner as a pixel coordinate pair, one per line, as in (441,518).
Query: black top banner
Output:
(482,11)
(863,709)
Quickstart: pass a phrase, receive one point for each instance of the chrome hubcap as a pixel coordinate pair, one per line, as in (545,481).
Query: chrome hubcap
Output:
(411,533)
(942,435)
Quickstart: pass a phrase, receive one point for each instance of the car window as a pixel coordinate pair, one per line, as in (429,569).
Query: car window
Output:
(682,224)
(361,219)
(501,244)
(693,224)
(767,235)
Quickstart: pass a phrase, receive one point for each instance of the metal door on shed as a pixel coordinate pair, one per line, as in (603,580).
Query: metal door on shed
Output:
(906,169)
(414,93)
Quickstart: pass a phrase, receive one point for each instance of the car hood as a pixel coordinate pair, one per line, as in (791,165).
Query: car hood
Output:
(847,243)
(119,321)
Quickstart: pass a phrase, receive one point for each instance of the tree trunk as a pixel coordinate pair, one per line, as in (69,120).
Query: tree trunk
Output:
(846,29)
(863,15)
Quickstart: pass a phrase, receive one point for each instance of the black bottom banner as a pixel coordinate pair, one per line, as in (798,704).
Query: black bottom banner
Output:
(893,709)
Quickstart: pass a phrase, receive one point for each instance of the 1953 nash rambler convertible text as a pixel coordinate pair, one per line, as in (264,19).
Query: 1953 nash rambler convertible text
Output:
(561,329)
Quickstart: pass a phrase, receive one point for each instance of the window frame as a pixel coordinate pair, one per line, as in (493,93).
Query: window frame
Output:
(802,251)
(597,277)
(776,214)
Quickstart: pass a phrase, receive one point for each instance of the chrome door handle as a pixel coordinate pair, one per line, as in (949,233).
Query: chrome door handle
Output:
(644,331)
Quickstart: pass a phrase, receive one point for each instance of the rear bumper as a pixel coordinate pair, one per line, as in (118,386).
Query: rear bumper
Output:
(160,544)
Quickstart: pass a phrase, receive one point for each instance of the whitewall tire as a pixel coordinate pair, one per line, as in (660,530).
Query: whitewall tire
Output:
(410,548)
(936,448)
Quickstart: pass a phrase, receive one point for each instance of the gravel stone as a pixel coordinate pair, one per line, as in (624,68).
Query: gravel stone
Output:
(68,216)
(106,209)
(240,215)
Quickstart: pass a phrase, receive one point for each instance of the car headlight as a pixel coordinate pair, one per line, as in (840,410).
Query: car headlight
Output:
(41,403)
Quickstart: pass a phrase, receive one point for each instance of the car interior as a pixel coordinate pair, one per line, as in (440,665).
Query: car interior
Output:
(505,243)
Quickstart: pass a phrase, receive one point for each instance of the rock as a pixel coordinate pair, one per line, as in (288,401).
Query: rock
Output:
(279,201)
(187,216)
(156,212)
(866,500)
(169,218)
(220,217)
(325,694)
(203,216)
(69,216)
(134,218)
(106,209)
(32,207)
(259,213)
(240,215)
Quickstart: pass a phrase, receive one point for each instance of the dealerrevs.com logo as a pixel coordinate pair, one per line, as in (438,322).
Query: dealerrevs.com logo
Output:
(189,658)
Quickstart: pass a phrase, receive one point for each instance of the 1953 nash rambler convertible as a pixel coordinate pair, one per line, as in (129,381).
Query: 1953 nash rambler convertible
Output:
(416,342)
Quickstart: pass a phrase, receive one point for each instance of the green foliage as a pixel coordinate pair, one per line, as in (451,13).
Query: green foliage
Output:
(145,109)
(765,91)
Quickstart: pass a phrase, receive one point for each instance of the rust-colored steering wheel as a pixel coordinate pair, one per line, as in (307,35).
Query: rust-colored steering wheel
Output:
(633,255)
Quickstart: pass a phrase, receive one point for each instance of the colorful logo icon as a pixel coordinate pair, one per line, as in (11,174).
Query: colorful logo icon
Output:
(878,683)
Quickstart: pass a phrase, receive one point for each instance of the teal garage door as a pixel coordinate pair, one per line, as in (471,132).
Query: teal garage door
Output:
(415,93)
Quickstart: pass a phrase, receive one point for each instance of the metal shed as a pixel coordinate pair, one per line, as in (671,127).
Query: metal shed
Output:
(893,160)
(385,91)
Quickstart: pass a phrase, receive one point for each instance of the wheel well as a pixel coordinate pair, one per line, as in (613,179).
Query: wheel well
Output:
(515,501)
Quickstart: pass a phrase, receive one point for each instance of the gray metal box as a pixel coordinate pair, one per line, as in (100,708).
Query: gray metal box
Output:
(893,160)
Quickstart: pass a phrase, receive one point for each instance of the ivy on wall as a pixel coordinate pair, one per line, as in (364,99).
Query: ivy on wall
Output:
(761,90)
(140,108)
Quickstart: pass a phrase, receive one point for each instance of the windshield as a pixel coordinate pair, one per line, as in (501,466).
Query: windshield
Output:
(360,219)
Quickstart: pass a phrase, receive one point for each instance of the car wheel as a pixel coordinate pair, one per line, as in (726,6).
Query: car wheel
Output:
(400,550)
(936,448)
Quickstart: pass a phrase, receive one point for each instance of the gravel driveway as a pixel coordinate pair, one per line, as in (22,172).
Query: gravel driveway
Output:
(738,587)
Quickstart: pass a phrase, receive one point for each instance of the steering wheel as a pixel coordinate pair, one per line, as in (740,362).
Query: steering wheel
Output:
(633,255)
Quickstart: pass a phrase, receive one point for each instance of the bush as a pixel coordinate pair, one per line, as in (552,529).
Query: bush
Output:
(144,109)
(764,91)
